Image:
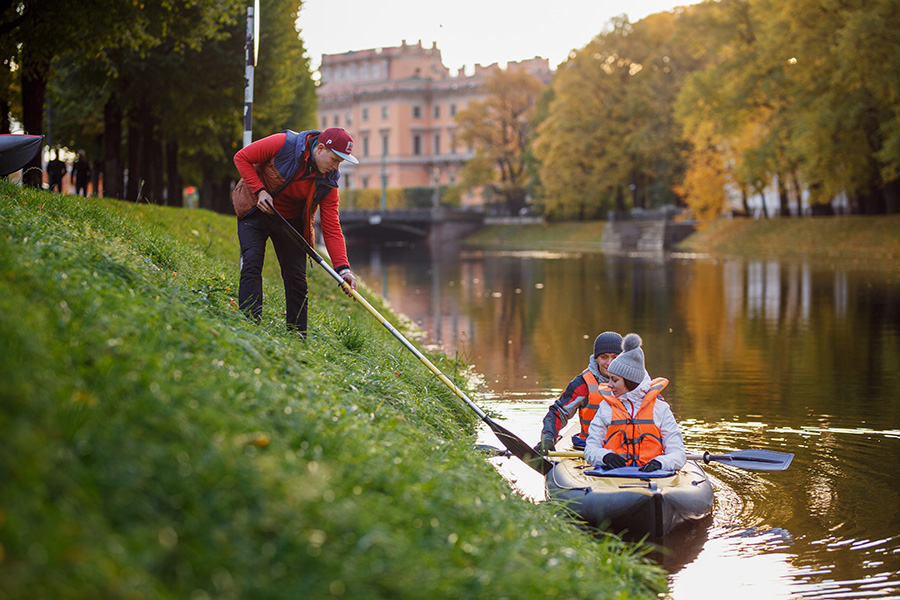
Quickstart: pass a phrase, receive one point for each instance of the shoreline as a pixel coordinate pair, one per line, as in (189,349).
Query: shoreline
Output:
(853,237)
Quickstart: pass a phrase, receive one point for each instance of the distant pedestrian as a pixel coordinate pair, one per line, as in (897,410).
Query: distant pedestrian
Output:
(81,174)
(56,171)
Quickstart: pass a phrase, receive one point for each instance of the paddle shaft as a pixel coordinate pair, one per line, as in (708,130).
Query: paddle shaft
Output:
(515,445)
(761,460)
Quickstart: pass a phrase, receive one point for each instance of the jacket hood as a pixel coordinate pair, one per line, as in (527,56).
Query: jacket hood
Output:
(636,396)
(595,370)
(297,142)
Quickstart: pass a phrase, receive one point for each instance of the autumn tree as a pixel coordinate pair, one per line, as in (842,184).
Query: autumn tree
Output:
(610,139)
(500,129)
(845,83)
(792,97)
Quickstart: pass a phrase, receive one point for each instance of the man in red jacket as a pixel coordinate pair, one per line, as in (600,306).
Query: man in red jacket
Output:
(298,174)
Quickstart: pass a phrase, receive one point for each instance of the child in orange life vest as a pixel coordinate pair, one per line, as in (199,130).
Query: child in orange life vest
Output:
(634,426)
(581,395)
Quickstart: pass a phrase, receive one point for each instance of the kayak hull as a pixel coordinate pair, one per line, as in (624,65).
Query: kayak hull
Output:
(636,506)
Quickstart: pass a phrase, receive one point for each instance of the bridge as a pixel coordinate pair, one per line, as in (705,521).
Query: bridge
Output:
(434,225)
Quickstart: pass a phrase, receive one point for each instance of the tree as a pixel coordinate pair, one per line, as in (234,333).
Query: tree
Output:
(36,31)
(846,84)
(610,128)
(169,108)
(500,128)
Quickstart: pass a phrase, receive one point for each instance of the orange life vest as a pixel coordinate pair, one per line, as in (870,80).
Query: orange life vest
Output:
(637,438)
(596,392)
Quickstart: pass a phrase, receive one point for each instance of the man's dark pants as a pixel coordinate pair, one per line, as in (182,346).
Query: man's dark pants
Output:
(253,231)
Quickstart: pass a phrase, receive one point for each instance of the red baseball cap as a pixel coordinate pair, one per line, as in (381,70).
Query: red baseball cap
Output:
(340,142)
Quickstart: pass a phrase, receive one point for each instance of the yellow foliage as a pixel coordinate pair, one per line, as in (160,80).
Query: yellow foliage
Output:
(704,184)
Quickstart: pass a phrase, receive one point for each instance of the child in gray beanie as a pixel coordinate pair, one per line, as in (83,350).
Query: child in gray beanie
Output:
(634,425)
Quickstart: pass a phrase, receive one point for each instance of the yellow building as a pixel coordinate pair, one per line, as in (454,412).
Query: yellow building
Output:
(399,105)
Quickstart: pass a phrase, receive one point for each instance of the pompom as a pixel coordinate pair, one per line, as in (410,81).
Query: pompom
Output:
(631,341)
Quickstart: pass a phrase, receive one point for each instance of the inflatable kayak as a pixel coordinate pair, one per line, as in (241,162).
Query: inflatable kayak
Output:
(628,501)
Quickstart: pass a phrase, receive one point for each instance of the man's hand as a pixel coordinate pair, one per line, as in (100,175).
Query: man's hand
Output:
(264,202)
(347,276)
(547,444)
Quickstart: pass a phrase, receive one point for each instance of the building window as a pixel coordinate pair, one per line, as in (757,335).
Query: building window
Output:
(417,112)
(348,119)
(365,114)
(452,110)
(417,144)
(337,120)
(437,111)
(365,181)
(384,144)
(452,143)
(365,145)
(384,112)
(348,180)
(437,144)
(324,122)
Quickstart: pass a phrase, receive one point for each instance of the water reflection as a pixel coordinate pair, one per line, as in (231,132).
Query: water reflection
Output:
(789,356)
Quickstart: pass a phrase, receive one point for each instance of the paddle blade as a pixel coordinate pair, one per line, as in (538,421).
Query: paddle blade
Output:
(519,448)
(756,460)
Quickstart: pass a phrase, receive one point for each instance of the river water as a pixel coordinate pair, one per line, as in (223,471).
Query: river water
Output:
(793,356)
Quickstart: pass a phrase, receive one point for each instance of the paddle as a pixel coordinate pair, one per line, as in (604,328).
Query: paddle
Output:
(515,445)
(756,460)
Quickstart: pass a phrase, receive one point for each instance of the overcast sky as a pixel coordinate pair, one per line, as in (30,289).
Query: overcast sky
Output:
(466,31)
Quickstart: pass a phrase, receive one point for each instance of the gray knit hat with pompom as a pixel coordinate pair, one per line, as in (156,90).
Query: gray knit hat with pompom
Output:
(630,364)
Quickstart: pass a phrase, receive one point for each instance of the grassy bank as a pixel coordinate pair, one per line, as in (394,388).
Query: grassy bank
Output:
(157,445)
(568,236)
(854,237)
(849,236)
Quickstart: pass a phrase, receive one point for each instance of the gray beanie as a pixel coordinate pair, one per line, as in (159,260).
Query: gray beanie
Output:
(608,341)
(630,364)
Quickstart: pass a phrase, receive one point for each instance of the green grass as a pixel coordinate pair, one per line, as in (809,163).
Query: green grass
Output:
(158,445)
(567,236)
(847,236)
(866,238)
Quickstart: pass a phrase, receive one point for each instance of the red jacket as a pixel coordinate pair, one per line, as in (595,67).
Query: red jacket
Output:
(277,158)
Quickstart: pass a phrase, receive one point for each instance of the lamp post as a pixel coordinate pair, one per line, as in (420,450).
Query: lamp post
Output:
(251,52)
(384,177)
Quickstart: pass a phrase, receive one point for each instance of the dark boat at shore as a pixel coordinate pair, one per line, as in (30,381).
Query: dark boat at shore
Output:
(16,150)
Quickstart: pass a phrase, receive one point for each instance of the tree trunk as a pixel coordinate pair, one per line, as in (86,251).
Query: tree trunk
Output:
(113,177)
(620,201)
(34,89)
(153,155)
(892,197)
(784,206)
(798,193)
(173,179)
(135,182)
(4,116)
(635,190)
(745,199)
(762,197)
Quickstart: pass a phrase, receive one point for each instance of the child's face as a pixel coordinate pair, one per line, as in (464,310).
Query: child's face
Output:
(617,384)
